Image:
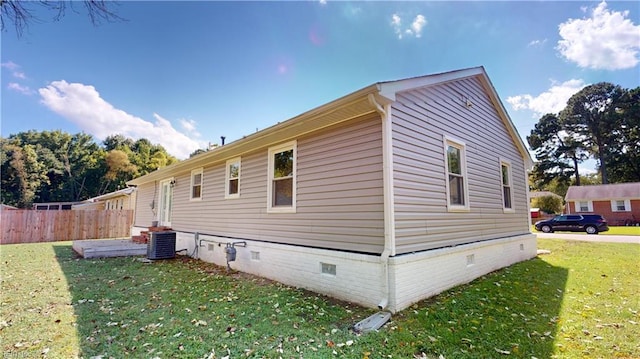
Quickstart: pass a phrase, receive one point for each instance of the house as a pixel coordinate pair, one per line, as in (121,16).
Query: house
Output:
(120,199)
(54,206)
(619,203)
(383,197)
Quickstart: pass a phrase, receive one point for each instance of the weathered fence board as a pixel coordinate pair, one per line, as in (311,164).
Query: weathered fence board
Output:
(28,226)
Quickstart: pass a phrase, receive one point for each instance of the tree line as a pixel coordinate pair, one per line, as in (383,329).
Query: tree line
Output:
(54,166)
(601,122)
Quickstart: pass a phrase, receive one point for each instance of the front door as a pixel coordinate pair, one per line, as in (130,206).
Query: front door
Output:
(166,199)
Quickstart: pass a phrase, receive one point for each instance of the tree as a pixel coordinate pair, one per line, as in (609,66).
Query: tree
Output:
(558,154)
(591,117)
(22,174)
(20,13)
(548,204)
(623,163)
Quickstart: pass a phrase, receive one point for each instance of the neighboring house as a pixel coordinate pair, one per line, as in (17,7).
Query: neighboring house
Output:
(383,197)
(121,199)
(619,203)
(54,206)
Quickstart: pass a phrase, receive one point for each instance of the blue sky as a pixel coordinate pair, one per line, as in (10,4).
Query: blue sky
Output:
(185,73)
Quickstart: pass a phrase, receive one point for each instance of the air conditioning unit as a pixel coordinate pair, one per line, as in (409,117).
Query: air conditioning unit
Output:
(161,245)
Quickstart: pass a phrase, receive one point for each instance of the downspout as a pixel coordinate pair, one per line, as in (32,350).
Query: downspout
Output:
(389,217)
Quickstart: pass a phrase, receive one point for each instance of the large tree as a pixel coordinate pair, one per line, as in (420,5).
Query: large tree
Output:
(623,163)
(558,154)
(591,117)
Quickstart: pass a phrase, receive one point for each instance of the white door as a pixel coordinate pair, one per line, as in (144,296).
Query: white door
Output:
(166,198)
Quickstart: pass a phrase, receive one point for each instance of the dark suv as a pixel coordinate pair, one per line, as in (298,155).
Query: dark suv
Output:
(590,223)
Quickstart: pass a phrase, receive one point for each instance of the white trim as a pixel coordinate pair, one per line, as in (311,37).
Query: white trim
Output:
(161,199)
(197,171)
(450,141)
(292,145)
(627,205)
(227,177)
(507,163)
(388,174)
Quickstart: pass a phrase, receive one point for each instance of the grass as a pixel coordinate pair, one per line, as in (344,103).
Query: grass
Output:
(615,231)
(581,301)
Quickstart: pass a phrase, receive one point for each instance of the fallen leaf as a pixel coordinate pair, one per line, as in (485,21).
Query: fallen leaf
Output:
(505,352)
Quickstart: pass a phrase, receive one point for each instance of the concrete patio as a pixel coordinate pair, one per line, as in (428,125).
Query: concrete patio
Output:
(97,248)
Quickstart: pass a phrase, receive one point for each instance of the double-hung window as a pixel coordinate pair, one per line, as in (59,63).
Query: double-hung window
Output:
(507,196)
(232,178)
(456,171)
(282,178)
(196,184)
(584,206)
(620,205)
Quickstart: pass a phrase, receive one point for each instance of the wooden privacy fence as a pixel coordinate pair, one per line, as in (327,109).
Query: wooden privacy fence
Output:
(28,226)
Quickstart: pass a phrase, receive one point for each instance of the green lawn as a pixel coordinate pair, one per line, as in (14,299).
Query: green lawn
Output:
(617,231)
(581,301)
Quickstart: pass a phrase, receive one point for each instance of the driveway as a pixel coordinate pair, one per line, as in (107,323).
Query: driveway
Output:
(590,237)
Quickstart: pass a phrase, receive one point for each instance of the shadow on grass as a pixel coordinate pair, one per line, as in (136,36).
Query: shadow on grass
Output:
(514,311)
(125,307)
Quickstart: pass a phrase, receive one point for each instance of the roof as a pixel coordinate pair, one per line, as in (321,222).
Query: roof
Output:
(353,105)
(123,192)
(604,192)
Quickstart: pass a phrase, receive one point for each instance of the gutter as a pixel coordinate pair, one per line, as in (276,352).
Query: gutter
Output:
(389,215)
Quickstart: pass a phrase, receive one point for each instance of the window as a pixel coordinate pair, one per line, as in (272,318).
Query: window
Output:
(196,184)
(232,184)
(505,171)
(620,205)
(584,206)
(282,178)
(455,161)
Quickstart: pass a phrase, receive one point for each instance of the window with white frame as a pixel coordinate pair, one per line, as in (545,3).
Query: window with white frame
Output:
(455,163)
(232,178)
(196,184)
(584,206)
(620,205)
(282,178)
(507,197)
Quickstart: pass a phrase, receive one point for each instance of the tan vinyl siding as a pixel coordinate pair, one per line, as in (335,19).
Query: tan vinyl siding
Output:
(339,194)
(421,118)
(144,215)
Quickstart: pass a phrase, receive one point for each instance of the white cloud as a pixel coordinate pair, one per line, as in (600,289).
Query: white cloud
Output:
(537,43)
(415,29)
(553,100)
(606,40)
(15,69)
(323,2)
(82,105)
(25,90)
(418,23)
(190,127)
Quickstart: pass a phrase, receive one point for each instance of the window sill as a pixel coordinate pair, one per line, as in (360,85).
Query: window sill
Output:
(281,210)
(458,209)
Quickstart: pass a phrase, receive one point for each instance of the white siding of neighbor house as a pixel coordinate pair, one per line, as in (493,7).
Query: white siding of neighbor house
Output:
(421,118)
(339,194)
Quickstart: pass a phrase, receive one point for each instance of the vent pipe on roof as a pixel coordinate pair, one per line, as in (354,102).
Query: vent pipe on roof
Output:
(222,140)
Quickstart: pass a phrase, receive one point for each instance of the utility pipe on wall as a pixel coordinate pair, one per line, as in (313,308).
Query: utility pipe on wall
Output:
(389,220)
